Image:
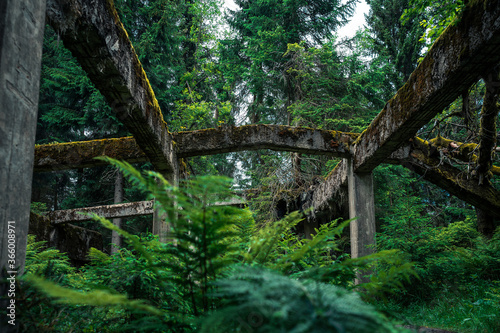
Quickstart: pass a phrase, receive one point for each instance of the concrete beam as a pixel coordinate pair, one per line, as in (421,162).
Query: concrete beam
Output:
(464,51)
(425,160)
(82,154)
(92,31)
(73,240)
(419,156)
(330,198)
(22,25)
(108,211)
(253,137)
(128,209)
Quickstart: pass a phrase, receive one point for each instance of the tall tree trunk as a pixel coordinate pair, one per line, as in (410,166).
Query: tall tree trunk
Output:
(466,113)
(189,46)
(485,223)
(487,143)
(488,132)
(116,241)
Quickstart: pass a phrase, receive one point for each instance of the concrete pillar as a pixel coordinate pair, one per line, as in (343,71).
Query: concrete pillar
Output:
(22,24)
(361,207)
(160,226)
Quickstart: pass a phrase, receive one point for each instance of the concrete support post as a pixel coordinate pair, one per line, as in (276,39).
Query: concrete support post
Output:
(361,207)
(22,24)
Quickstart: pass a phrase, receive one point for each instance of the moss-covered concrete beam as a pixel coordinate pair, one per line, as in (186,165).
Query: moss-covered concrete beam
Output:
(252,137)
(465,152)
(82,154)
(108,211)
(92,31)
(459,56)
(330,198)
(453,180)
(127,209)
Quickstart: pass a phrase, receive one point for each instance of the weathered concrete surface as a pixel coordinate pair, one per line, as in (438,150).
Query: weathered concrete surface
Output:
(252,137)
(108,211)
(419,156)
(92,31)
(128,209)
(73,240)
(161,227)
(22,24)
(82,154)
(456,60)
(362,210)
(330,197)
(426,161)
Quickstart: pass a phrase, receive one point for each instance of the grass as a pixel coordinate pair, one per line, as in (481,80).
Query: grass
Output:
(474,307)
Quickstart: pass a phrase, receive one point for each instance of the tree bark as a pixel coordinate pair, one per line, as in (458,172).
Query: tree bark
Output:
(485,223)
(116,240)
(488,132)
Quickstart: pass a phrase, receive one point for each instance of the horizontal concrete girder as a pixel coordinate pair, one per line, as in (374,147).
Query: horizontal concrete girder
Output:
(108,211)
(421,157)
(253,137)
(92,31)
(82,154)
(455,181)
(127,209)
(464,51)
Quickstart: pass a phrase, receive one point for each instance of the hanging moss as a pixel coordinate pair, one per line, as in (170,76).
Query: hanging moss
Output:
(462,151)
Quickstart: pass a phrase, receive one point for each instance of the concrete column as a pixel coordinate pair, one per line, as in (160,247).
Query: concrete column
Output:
(361,207)
(22,24)
(160,226)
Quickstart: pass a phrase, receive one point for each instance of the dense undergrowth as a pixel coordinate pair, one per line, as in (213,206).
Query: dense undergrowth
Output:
(458,285)
(221,272)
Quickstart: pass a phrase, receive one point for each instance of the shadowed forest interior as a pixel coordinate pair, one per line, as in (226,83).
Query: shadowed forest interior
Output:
(274,260)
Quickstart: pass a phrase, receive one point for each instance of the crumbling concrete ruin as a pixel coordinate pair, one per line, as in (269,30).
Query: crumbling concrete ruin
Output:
(92,30)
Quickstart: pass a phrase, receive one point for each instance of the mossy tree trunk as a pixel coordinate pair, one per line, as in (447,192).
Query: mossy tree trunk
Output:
(488,132)
(116,241)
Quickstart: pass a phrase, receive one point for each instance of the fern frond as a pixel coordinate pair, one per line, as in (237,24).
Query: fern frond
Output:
(94,298)
(268,302)
(97,257)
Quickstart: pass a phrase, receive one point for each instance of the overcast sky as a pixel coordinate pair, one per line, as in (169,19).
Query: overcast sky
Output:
(357,21)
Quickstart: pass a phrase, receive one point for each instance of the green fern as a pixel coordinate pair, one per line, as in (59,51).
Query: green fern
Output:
(47,262)
(259,300)
(94,298)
